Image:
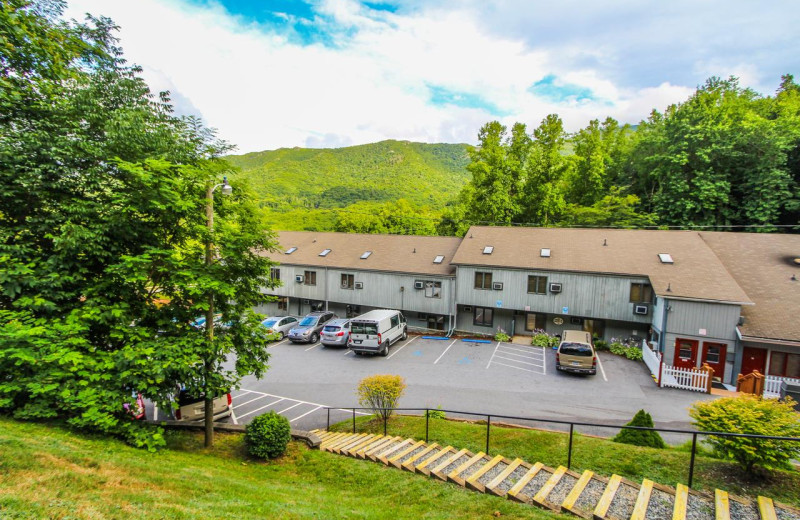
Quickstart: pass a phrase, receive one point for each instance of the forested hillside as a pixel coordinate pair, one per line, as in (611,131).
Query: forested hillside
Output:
(303,188)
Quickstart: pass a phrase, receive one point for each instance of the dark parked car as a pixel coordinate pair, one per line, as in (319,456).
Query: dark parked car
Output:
(309,328)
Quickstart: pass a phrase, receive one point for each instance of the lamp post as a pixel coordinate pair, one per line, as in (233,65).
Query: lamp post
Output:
(209,396)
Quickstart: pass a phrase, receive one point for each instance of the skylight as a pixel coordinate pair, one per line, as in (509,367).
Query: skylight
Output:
(291,250)
(366,255)
(325,252)
(545,252)
(488,250)
(438,259)
(665,258)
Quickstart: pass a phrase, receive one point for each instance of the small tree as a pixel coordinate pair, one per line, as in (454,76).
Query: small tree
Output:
(640,437)
(752,415)
(380,393)
(267,435)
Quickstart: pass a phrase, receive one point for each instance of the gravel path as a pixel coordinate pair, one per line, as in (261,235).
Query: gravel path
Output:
(786,514)
(591,495)
(385,447)
(453,465)
(512,479)
(492,473)
(699,508)
(622,504)
(472,469)
(428,455)
(562,489)
(660,506)
(743,512)
(536,483)
(411,454)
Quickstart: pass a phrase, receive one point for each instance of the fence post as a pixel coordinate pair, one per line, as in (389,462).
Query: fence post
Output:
(660,371)
(709,376)
(385,417)
(426,424)
(691,462)
(328,427)
(569,451)
(354,420)
(488,425)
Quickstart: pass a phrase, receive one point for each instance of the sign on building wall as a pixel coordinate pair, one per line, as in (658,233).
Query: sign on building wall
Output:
(564,310)
(499,303)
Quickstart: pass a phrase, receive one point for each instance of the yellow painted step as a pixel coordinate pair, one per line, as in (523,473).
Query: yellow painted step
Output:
(722,505)
(643,500)
(351,450)
(492,487)
(428,464)
(397,456)
(540,497)
(569,502)
(455,475)
(342,447)
(608,495)
(681,502)
(343,441)
(332,440)
(473,480)
(436,472)
(383,455)
(514,492)
(363,453)
(766,508)
(409,464)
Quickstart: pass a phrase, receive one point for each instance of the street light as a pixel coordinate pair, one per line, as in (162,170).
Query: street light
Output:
(209,397)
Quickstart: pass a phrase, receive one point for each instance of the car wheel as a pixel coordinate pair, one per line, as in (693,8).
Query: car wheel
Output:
(385,349)
(405,334)
(282,335)
(314,337)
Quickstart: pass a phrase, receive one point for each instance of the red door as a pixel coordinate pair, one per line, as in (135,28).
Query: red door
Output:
(686,353)
(753,359)
(714,355)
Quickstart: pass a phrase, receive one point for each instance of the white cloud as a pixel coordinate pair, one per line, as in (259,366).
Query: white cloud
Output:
(263,90)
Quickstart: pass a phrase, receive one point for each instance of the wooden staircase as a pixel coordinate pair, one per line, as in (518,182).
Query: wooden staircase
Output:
(585,495)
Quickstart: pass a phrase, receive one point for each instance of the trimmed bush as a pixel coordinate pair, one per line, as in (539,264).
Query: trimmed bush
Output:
(640,437)
(501,337)
(753,415)
(600,344)
(267,435)
(380,393)
(436,414)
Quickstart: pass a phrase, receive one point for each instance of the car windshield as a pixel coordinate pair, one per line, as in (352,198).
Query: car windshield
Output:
(576,349)
(364,328)
(269,323)
(331,328)
(308,321)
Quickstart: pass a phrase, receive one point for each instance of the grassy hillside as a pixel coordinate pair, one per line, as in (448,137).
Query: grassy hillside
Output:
(48,472)
(293,185)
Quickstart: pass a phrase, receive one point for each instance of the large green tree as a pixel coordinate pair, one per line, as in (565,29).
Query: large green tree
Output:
(546,170)
(102,234)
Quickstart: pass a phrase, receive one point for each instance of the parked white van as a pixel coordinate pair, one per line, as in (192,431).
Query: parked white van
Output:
(376,330)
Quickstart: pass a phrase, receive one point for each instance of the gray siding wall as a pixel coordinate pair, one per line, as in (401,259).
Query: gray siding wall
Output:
(299,290)
(658,314)
(718,320)
(587,295)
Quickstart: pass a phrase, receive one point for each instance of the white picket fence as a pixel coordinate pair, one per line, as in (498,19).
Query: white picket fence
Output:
(652,360)
(772,385)
(685,378)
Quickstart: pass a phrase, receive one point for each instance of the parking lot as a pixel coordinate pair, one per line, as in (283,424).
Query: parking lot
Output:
(490,378)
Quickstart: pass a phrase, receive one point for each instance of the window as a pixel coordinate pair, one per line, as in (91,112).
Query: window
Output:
(347,281)
(366,255)
(275,274)
(310,278)
(325,252)
(439,259)
(352,311)
(534,321)
(488,250)
(783,364)
(483,280)
(291,250)
(537,284)
(433,289)
(641,293)
(395,321)
(283,303)
(483,317)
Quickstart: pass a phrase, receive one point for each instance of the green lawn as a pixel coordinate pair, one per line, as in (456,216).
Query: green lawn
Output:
(669,466)
(51,472)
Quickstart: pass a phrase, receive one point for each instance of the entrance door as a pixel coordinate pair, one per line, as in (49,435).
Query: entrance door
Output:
(714,355)
(753,359)
(534,321)
(686,353)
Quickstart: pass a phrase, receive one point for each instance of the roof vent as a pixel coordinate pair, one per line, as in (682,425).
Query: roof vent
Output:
(665,258)
(438,259)
(366,255)
(545,252)
(488,250)
(291,250)
(605,242)
(325,252)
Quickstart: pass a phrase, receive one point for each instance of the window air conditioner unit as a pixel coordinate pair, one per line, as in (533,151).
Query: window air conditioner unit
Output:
(359,285)
(419,284)
(575,321)
(306,302)
(497,286)
(555,287)
(641,309)
(467,308)
(299,278)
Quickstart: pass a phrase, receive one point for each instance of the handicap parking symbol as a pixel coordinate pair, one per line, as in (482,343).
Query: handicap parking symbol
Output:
(464,361)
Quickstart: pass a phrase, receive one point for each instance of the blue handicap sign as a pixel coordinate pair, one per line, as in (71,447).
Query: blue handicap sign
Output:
(464,361)
(417,352)
(564,310)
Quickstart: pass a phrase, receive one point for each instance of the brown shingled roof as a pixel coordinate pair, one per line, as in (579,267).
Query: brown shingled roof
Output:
(696,273)
(763,264)
(397,253)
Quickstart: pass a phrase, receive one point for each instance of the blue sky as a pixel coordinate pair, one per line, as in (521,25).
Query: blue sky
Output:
(283,73)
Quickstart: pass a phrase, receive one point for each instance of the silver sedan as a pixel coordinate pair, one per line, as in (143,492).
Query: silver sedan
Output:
(279,324)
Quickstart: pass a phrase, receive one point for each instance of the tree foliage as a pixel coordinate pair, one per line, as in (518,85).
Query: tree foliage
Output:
(381,393)
(102,231)
(640,437)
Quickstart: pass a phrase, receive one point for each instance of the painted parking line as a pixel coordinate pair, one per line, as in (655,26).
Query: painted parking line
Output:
(317,406)
(404,345)
(527,351)
(348,352)
(524,355)
(518,368)
(293,406)
(602,372)
(518,361)
(300,417)
(493,353)
(263,407)
(248,402)
(445,351)
(315,345)
(278,344)
(233,417)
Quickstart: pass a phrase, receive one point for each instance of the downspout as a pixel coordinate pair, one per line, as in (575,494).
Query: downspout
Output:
(663,337)
(454,313)
(326,287)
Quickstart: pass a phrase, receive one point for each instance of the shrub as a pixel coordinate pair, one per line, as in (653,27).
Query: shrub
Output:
(601,344)
(753,415)
(380,393)
(501,336)
(542,339)
(630,351)
(640,437)
(267,435)
(436,414)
